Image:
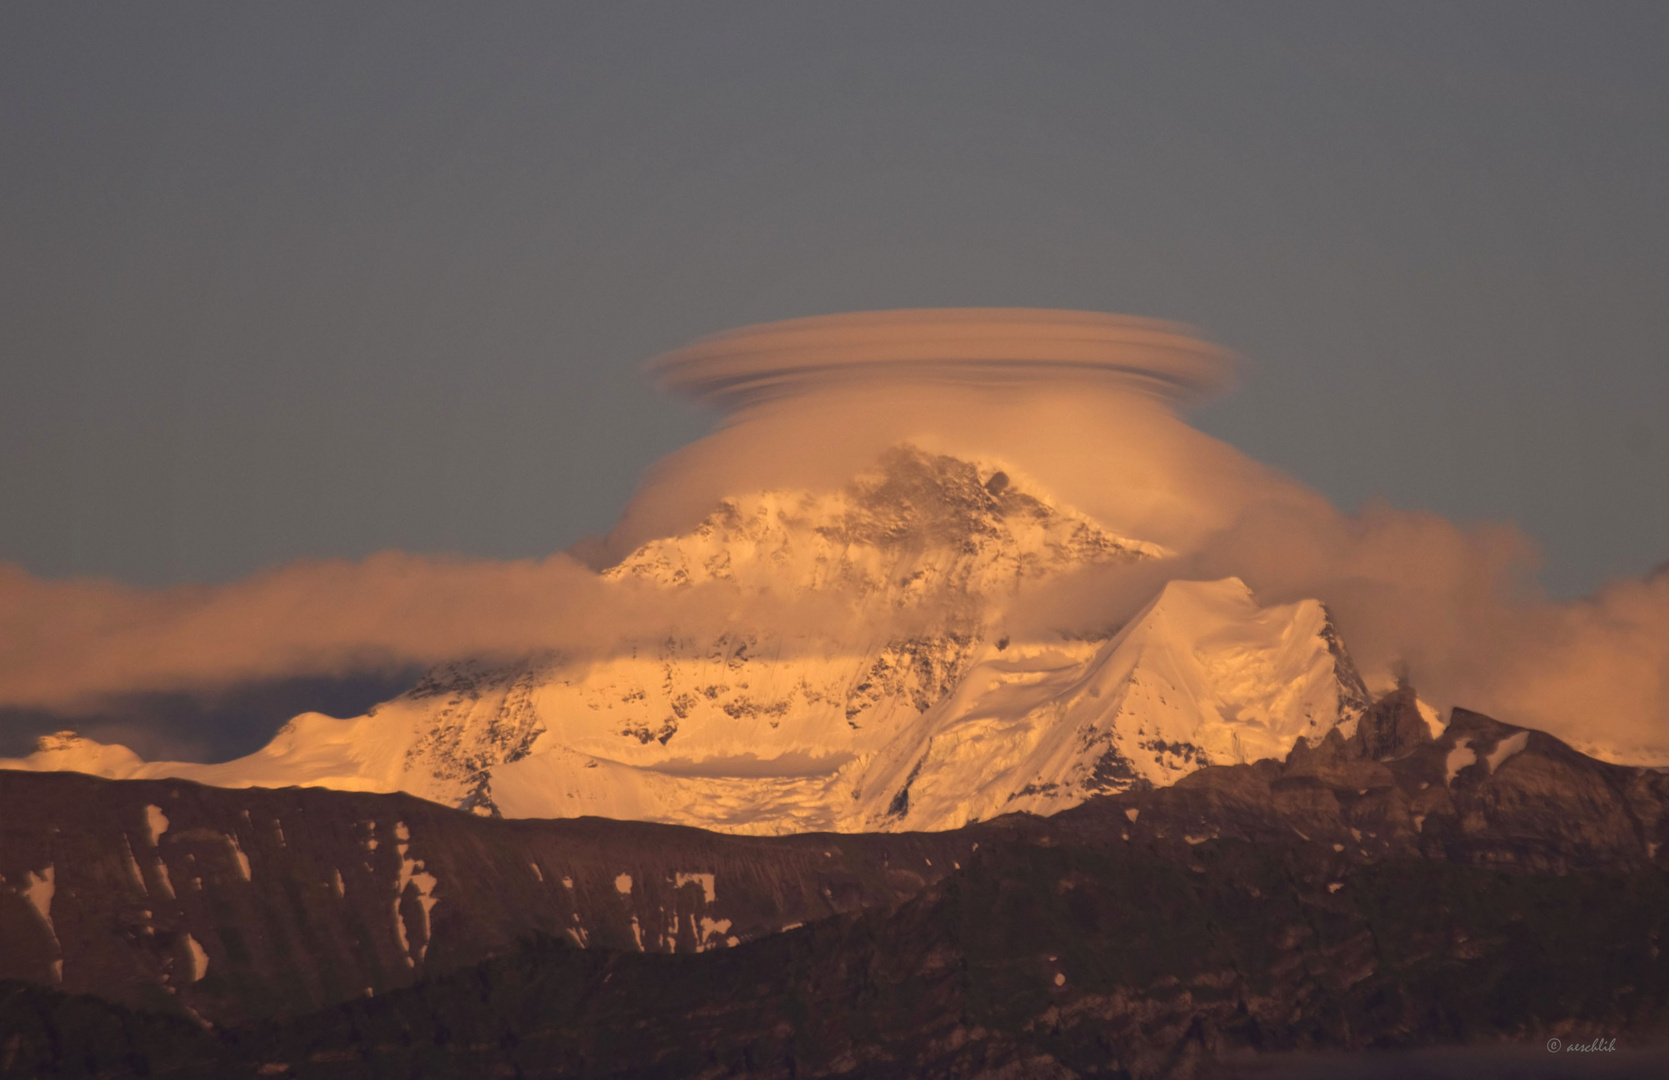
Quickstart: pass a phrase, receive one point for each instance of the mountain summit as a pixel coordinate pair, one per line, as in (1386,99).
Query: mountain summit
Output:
(900,703)
(917,527)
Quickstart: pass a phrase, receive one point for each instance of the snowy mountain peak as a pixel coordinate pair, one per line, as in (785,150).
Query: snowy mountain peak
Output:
(859,726)
(69,751)
(916,526)
(1194,599)
(1223,619)
(1202,676)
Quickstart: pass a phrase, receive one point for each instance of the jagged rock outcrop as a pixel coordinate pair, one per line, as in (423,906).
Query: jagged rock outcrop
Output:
(1482,794)
(1394,727)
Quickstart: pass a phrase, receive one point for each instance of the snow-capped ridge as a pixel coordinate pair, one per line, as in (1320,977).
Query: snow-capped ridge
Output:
(1202,675)
(70,751)
(916,526)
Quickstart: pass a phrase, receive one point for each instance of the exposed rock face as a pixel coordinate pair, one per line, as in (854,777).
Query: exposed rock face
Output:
(464,742)
(1484,794)
(251,902)
(1394,726)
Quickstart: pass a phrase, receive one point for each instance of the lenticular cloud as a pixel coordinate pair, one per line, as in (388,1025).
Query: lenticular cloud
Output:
(995,348)
(1086,403)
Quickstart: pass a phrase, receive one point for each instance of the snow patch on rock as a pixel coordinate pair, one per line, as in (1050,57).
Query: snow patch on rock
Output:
(38,889)
(238,856)
(1506,748)
(711,929)
(197,960)
(156,824)
(1459,758)
(706,881)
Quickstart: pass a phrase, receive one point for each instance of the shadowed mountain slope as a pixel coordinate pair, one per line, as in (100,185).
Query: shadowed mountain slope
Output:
(1487,884)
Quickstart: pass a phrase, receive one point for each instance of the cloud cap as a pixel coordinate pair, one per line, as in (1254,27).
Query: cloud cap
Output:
(993,347)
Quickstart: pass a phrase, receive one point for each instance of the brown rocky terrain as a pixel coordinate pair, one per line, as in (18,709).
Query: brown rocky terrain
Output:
(242,903)
(1487,887)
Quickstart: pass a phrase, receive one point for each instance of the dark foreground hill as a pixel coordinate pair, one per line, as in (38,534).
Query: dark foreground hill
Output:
(1491,888)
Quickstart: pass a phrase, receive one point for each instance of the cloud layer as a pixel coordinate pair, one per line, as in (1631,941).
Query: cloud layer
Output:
(998,348)
(1085,406)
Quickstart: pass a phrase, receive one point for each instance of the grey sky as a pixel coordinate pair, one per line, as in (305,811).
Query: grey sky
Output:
(282,281)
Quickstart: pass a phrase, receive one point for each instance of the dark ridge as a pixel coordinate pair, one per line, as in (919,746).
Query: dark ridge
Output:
(1362,895)
(1055,961)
